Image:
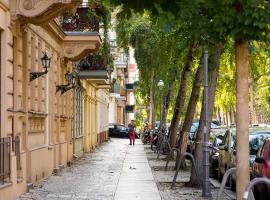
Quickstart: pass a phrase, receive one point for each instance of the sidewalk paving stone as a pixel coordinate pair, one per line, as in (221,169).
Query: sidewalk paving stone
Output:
(116,171)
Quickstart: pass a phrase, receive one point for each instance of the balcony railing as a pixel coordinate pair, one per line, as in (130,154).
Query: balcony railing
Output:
(5,144)
(93,62)
(81,21)
(94,67)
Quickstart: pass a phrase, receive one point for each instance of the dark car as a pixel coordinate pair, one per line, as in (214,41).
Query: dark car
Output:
(119,130)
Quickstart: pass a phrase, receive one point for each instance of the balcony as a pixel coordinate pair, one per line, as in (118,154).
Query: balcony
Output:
(94,68)
(41,11)
(130,108)
(82,33)
(130,86)
(121,61)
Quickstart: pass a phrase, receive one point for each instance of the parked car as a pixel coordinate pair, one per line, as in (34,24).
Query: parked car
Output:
(119,130)
(256,138)
(261,168)
(193,133)
(226,152)
(214,153)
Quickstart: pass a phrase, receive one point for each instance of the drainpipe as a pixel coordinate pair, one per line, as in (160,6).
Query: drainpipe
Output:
(47,111)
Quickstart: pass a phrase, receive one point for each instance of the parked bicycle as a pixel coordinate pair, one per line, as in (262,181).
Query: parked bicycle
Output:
(146,136)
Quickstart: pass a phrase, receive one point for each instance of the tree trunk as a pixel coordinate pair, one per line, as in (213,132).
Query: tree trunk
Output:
(211,98)
(166,103)
(242,117)
(152,99)
(191,109)
(227,122)
(180,100)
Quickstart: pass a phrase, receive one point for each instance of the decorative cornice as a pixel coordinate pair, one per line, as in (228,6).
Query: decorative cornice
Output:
(41,11)
(78,46)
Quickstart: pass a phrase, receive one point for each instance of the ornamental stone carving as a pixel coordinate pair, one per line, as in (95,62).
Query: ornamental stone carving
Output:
(40,11)
(77,47)
(76,51)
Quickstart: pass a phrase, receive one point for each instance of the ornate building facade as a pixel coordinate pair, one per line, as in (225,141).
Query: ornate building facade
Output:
(46,117)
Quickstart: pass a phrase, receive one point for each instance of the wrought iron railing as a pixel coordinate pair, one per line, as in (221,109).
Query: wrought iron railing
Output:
(92,62)
(81,21)
(5,144)
(16,142)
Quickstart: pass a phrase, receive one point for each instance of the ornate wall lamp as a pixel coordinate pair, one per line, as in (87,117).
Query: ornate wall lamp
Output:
(46,61)
(70,79)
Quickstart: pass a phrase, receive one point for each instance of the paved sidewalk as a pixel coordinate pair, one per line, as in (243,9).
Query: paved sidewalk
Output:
(136,180)
(113,171)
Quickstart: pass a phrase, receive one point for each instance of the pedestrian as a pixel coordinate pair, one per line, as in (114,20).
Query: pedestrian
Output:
(131,132)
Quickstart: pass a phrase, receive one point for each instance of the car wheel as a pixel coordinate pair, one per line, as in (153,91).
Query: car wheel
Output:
(220,175)
(232,184)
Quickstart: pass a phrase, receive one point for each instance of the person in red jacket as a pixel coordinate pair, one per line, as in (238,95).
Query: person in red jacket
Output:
(131,132)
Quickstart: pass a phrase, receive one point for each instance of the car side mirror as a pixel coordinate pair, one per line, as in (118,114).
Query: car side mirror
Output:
(259,160)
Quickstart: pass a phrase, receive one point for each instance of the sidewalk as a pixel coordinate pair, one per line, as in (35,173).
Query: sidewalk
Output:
(136,180)
(113,171)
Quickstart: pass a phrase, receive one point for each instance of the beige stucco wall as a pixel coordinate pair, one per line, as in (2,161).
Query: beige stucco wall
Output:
(90,111)
(32,110)
(42,118)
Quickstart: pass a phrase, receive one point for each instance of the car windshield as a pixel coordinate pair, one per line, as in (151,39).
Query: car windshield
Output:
(255,141)
(122,128)
(193,129)
(111,126)
(214,125)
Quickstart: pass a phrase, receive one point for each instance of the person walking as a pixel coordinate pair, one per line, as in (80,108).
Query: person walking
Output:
(131,132)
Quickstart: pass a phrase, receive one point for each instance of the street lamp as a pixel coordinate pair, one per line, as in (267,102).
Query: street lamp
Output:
(46,61)
(70,79)
(160,85)
(206,186)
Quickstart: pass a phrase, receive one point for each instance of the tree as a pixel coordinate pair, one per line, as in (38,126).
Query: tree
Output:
(242,20)
(194,97)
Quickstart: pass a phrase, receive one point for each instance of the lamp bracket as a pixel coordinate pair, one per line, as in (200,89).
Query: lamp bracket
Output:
(35,75)
(63,88)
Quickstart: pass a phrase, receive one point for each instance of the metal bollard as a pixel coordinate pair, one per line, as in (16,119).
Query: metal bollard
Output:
(178,168)
(163,143)
(223,182)
(254,182)
(170,154)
